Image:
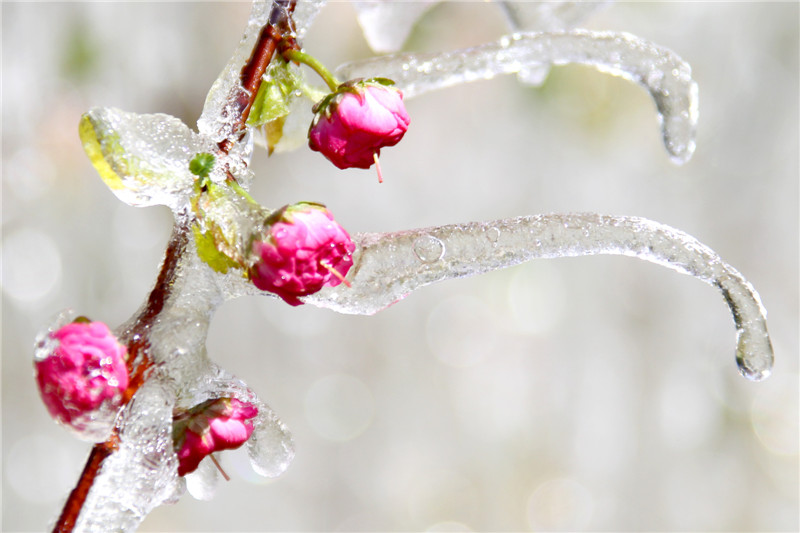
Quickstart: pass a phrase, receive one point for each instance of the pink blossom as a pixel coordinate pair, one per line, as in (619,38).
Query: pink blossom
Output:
(84,374)
(352,124)
(304,250)
(215,425)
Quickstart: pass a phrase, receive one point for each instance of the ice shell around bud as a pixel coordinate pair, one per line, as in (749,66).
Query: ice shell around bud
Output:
(353,124)
(304,250)
(81,373)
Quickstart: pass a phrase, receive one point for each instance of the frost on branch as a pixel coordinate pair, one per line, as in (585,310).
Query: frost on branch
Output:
(666,76)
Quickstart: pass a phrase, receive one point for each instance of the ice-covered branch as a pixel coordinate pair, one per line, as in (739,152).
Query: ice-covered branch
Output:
(390,266)
(665,75)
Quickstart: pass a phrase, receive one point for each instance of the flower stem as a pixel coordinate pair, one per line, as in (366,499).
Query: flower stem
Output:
(378,167)
(219,467)
(312,62)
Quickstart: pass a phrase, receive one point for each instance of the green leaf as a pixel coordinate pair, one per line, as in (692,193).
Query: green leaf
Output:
(202,164)
(276,92)
(207,251)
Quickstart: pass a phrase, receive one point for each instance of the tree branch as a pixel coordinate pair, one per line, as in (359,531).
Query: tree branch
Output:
(277,33)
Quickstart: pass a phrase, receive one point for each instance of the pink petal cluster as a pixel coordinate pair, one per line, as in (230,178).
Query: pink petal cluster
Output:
(83,375)
(300,253)
(353,124)
(221,424)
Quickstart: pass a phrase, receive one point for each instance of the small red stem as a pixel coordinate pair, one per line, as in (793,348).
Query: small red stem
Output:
(219,467)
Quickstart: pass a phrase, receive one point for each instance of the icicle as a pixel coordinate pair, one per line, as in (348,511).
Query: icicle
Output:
(665,75)
(390,266)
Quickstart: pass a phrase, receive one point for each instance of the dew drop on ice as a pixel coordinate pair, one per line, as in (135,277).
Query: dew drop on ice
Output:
(270,447)
(428,249)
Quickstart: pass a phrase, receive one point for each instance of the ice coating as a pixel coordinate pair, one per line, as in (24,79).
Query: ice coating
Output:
(143,159)
(142,473)
(202,483)
(548,16)
(387,25)
(545,16)
(390,266)
(220,112)
(305,12)
(666,76)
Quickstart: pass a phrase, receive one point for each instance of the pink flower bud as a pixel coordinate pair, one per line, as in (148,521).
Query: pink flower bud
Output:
(215,425)
(304,250)
(83,377)
(352,124)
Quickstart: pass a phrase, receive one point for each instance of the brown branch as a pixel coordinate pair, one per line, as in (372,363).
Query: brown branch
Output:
(275,35)
(72,509)
(279,29)
(138,364)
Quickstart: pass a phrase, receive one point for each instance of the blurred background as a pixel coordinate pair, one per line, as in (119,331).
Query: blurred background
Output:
(589,394)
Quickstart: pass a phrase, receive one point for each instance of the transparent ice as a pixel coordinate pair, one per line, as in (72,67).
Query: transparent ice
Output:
(91,426)
(387,25)
(545,16)
(150,155)
(389,266)
(666,76)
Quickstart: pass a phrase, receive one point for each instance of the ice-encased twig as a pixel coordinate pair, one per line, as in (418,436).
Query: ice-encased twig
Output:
(666,76)
(389,266)
(142,473)
(220,113)
(555,15)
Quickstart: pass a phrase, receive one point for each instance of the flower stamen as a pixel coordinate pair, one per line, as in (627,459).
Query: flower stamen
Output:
(378,166)
(219,467)
(324,263)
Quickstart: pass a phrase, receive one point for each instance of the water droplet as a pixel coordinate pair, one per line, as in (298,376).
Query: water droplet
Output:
(754,355)
(428,249)
(493,234)
(270,447)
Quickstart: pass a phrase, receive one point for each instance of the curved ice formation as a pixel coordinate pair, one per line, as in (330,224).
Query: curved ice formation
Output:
(555,15)
(666,76)
(391,265)
(387,25)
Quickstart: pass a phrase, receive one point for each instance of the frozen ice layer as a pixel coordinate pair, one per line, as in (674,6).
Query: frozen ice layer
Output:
(387,25)
(545,16)
(143,159)
(221,112)
(389,266)
(142,473)
(666,76)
